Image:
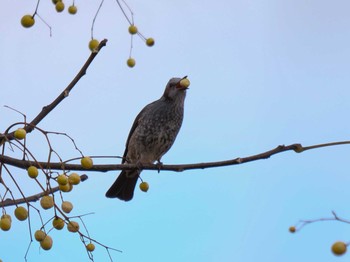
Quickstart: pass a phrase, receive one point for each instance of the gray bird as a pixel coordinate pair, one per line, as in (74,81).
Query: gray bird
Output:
(151,136)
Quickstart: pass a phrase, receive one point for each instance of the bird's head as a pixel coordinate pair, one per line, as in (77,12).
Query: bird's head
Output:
(176,88)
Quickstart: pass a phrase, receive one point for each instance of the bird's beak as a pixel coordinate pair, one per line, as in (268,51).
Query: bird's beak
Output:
(183,84)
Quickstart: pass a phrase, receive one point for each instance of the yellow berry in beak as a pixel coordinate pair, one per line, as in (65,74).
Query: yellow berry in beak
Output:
(185,83)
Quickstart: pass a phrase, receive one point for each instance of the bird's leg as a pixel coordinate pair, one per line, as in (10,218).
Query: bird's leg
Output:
(159,165)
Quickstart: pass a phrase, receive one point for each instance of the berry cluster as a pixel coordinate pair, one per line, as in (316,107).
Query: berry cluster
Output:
(93,44)
(28,21)
(49,182)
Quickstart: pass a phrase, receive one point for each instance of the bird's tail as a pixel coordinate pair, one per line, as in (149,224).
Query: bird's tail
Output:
(124,185)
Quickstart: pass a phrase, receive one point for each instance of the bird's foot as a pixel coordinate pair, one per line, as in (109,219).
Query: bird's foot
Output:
(159,165)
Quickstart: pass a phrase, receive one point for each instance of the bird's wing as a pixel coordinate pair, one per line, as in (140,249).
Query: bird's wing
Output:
(133,128)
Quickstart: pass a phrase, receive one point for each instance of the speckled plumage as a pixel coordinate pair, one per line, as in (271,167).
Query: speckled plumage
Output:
(151,136)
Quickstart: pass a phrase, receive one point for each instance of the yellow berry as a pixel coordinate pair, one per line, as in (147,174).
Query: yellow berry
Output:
(132,29)
(66,188)
(55,1)
(39,235)
(72,9)
(86,162)
(59,6)
(74,179)
(6,216)
(90,247)
(150,41)
(32,172)
(21,213)
(46,202)
(93,44)
(73,226)
(339,248)
(62,179)
(27,21)
(20,133)
(5,223)
(185,83)
(46,243)
(58,223)
(144,186)
(67,206)
(131,62)
(292,229)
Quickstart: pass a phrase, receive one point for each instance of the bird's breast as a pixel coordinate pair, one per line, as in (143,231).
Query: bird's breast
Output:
(154,135)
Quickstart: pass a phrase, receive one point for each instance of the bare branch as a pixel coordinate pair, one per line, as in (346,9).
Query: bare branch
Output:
(47,109)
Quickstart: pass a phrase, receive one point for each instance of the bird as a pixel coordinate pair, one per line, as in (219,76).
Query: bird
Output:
(152,134)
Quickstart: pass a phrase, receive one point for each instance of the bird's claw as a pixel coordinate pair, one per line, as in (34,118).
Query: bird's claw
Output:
(159,165)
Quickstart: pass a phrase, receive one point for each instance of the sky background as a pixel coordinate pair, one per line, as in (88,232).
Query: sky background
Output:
(263,73)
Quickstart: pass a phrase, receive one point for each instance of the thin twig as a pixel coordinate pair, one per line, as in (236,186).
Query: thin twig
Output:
(47,109)
(303,223)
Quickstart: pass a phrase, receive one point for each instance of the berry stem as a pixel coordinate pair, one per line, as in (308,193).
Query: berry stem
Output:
(131,21)
(93,20)
(36,8)
(131,45)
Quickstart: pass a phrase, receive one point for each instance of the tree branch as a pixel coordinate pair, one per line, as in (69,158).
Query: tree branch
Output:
(47,109)
(33,198)
(178,168)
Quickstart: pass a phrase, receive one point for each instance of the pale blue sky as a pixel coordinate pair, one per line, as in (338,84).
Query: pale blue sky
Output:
(262,73)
